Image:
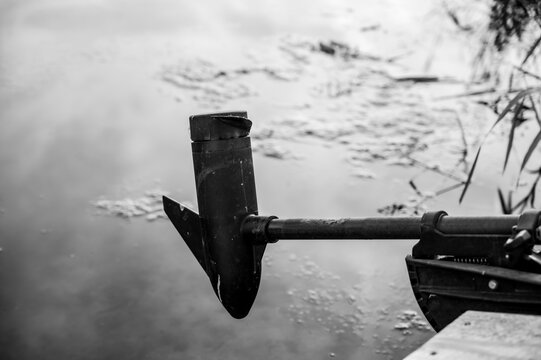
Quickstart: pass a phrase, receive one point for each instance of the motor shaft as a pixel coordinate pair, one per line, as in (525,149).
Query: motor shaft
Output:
(274,229)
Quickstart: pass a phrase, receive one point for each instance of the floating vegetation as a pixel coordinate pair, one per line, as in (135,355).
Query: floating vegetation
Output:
(149,206)
(332,308)
(415,206)
(361,102)
(321,303)
(364,174)
(212,86)
(342,50)
(272,149)
(324,302)
(205,84)
(411,320)
(373,106)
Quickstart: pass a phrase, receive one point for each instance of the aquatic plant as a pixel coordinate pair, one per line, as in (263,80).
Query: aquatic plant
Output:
(509,21)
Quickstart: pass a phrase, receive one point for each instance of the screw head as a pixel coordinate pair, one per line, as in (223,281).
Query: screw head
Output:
(492,284)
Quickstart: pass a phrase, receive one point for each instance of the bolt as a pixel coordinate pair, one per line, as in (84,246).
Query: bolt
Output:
(492,284)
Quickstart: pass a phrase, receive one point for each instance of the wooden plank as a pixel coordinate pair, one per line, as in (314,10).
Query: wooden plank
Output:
(485,336)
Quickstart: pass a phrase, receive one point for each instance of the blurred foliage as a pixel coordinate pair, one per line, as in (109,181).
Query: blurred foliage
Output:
(510,18)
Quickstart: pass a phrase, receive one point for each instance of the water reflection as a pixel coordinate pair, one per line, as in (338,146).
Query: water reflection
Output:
(94,101)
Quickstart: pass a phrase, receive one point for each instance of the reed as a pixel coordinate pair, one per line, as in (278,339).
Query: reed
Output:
(510,21)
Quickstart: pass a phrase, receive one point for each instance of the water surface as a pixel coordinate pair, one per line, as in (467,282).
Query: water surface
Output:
(94,102)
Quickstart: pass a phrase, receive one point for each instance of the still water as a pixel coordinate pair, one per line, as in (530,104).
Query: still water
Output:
(94,102)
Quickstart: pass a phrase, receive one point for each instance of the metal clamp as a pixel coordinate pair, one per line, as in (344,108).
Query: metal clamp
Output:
(255,228)
(519,246)
(426,247)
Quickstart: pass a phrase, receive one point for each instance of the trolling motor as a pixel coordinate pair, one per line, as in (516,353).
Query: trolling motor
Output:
(460,263)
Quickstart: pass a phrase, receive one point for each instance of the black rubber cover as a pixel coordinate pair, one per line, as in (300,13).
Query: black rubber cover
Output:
(226,195)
